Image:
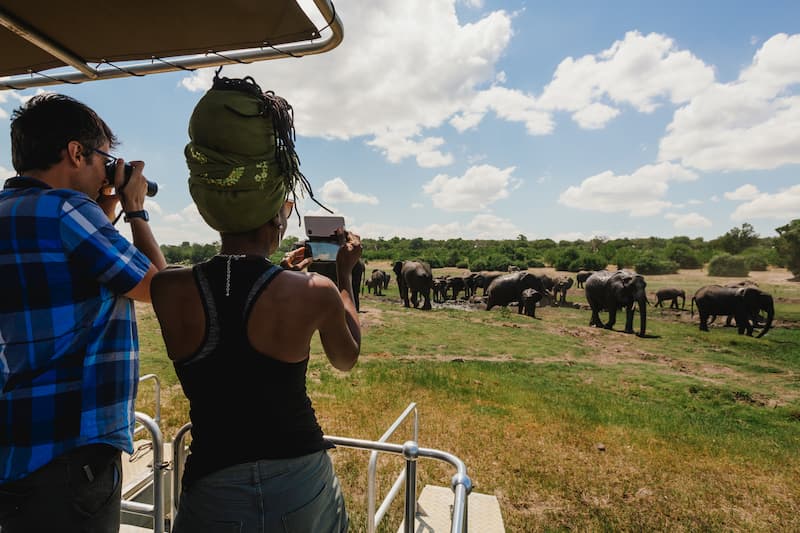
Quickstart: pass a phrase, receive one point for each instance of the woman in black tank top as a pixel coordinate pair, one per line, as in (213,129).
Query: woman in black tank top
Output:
(238,330)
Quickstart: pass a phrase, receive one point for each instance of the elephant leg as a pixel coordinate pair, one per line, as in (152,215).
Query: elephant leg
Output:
(414,299)
(703,322)
(427,303)
(629,319)
(404,296)
(595,320)
(612,319)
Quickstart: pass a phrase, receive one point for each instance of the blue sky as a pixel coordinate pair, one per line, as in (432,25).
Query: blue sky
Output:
(481,119)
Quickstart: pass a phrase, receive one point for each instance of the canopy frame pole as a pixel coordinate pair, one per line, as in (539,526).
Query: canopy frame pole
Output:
(34,37)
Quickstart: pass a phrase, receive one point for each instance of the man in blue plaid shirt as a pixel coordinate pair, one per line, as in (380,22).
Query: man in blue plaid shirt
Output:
(68,340)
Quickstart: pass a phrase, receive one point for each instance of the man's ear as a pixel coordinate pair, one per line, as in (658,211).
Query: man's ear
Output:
(74,153)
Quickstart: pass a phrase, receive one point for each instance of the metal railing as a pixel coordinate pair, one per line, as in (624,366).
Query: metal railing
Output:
(157,394)
(178,460)
(156,509)
(460,482)
(374,518)
(410,450)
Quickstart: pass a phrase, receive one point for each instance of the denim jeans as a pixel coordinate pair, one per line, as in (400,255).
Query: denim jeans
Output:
(301,494)
(78,491)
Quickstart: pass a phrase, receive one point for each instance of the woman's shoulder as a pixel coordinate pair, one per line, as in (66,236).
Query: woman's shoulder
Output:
(172,278)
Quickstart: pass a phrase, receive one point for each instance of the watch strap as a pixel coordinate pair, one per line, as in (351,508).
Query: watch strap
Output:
(137,214)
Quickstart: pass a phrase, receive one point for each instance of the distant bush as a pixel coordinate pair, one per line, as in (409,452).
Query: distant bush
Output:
(651,264)
(587,261)
(756,263)
(683,255)
(727,265)
(462,263)
(490,262)
(535,263)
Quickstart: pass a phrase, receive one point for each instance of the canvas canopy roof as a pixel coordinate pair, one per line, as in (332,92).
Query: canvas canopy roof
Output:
(46,43)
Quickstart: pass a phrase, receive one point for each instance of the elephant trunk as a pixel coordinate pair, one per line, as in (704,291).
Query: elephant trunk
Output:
(643,316)
(768,325)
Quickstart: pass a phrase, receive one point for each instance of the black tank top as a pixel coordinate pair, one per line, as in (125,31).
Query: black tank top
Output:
(244,405)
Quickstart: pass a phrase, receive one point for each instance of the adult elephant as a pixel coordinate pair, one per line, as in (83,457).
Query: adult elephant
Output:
(484,279)
(582,276)
(743,303)
(415,277)
(612,291)
(672,294)
(509,288)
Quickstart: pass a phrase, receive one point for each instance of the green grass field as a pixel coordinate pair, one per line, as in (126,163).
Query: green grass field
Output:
(571,427)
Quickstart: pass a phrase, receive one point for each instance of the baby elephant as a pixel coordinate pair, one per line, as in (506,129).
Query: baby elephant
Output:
(671,293)
(529,299)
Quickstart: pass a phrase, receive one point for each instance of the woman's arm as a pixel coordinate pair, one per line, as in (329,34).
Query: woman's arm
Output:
(339,330)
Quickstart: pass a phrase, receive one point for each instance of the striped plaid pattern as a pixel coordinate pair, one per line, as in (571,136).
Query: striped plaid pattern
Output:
(68,342)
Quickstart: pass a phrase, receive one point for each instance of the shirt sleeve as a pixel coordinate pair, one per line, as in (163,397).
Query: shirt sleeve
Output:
(92,242)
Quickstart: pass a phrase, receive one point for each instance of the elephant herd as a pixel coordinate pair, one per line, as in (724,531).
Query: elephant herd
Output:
(605,290)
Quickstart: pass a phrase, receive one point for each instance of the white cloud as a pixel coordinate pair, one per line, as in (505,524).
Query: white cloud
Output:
(508,104)
(417,205)
(336,190)
(594,116)
(175,228)
(745,192)
(695,202)
(479,187)
(715,198)
(688,220)
(3,114)
(639,193)
(422,67)
(783,205)
(641,70)
(751,123)
(5,173)
(483,226)
(475,4)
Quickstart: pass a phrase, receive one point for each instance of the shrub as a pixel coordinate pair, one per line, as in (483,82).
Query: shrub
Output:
(683,255)
(727,265)
(586,261)
(652,264)
(534,263)
(756,263)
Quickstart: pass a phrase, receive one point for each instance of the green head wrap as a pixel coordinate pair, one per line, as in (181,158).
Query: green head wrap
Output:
(242,164)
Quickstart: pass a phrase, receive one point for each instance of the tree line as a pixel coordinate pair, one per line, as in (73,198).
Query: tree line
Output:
(737,252)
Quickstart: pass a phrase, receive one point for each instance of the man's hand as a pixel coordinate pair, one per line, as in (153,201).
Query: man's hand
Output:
(294,260)
(108,201)
(130,194)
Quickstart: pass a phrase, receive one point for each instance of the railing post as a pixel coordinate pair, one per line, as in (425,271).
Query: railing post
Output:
(156,511)
(411,452)
(177,467)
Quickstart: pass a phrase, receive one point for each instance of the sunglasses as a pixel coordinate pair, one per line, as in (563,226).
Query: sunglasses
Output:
(286,209)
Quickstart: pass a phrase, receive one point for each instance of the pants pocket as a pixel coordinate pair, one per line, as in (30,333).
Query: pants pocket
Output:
(96,490)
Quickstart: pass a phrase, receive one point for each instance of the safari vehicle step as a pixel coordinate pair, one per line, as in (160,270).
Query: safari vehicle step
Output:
(435,509)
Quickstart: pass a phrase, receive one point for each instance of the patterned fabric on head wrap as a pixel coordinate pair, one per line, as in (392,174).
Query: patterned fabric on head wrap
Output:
(241,158)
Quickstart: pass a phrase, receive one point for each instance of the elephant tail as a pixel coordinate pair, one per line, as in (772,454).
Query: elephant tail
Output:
(693,300)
